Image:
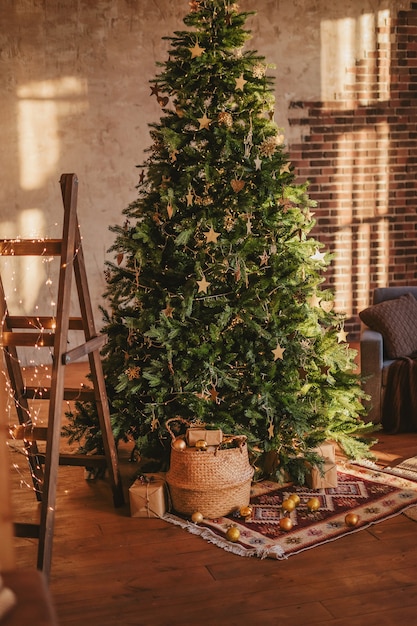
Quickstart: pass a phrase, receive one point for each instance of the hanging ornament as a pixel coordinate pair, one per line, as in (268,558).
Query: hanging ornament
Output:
(133,372)
(211,235)
(271,428)
(214,395)
(249,224)
(196,50)
(248,141)
(162,101)
(168,311)
(285,169)
(264,258)
(318,256)
(173,155)
(259,70)
(155,90)
(327,305)
(204,121)
(229,222)
(189,196)
(342,336)
(240,82)
(203,285)
(170,210)
(309,215)
(278,352)
(237,184)
(268,146)
(258,163)
(179,111)
(157,218)
(225,118)
(194,6)
(155,421)
(314,301)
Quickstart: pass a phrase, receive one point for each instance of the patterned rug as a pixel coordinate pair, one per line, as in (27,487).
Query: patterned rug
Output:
(372,494)
(407,469)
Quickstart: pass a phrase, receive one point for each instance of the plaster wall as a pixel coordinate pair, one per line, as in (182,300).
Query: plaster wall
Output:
(75,97)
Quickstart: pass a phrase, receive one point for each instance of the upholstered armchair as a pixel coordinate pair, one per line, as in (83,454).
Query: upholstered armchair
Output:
(388,332)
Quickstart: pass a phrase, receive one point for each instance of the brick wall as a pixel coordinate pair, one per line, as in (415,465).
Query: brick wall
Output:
(359,153)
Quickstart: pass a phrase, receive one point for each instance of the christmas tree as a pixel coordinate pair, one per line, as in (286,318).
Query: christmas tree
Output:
(216,310)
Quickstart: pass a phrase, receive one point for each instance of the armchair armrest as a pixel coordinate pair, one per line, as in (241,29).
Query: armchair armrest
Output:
(371,358)
(372,351)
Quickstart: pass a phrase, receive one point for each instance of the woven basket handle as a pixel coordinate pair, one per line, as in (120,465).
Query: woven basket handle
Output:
(175,419)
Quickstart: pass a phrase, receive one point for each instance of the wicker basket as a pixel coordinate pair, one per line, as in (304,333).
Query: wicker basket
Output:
(214,482)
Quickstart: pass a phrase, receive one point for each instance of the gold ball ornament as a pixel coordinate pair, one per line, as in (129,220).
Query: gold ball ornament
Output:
(351,519)
(201,444)
(288,505)
(285,523)
(233,533)
(179,444)
(313,504)
(295,498)
(245,511)
(197,517)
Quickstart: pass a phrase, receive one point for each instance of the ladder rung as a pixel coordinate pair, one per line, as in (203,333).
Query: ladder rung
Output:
(38,339)
(81,460)
(70,394)
(41,322)
(26,530)
(93,344)
(30,247)
(29,432)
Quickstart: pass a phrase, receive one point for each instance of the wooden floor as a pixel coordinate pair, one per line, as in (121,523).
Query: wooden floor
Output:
(111,569)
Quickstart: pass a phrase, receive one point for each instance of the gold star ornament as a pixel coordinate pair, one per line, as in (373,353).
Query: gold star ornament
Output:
(203,285)
(211,235)
(168,311)
(204,122)
(240,82)
(196,50)
(278,352)
(341,336)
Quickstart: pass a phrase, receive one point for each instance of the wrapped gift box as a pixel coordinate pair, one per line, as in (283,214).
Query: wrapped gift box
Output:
(212,437)
(148,496)
(325,476)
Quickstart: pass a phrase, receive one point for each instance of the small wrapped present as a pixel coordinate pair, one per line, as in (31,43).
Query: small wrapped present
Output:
(211,437)
(148,496)
(325,476)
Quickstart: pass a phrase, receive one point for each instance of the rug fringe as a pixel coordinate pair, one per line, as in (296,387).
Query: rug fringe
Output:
(366,463)
(235,548)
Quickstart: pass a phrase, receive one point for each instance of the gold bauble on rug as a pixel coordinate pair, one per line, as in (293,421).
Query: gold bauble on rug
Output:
(233,533)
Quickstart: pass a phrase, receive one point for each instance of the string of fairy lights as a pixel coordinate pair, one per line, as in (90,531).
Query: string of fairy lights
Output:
(35,369)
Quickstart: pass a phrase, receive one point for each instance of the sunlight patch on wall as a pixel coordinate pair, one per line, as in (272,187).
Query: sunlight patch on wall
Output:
(337,55)
(43,108)
(355,59)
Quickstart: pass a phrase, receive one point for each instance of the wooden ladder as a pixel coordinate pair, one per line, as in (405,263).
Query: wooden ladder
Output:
(19,331)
